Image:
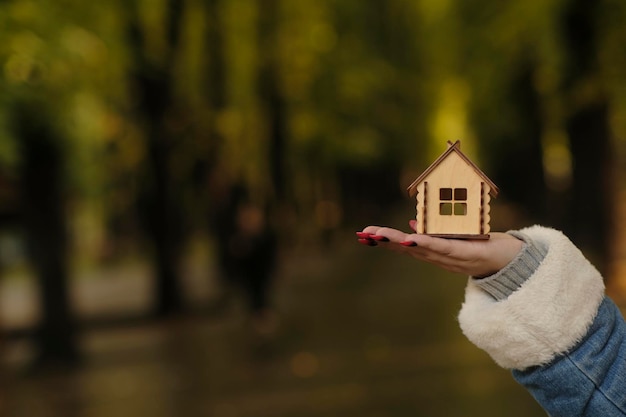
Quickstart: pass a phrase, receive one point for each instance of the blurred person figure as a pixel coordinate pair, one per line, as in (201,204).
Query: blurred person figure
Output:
(247,251)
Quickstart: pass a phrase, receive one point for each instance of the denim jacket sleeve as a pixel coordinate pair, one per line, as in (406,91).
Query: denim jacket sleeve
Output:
(545,316)
(590,379)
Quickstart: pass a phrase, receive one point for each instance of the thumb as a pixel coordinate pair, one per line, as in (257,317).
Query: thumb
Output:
(413,224)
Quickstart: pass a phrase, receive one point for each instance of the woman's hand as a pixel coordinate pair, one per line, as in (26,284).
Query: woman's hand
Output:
(478,258)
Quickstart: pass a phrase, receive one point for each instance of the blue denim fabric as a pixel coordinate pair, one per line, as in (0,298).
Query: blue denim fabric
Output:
(589,380)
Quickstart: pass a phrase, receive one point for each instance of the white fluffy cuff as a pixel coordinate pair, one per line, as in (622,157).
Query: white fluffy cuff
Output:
(546,316)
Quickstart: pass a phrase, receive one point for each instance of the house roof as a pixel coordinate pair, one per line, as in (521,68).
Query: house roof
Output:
(452,147)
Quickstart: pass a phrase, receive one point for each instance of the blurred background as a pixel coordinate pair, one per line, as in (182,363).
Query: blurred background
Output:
(181,180)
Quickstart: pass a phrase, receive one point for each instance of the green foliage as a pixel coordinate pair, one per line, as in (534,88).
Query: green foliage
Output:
(364,83)
(55,56)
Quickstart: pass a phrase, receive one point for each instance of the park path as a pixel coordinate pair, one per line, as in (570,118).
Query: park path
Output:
(361,333)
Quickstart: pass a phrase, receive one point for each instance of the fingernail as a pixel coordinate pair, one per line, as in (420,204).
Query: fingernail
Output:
(408,243)
(363,235)
(379,238)
(368,242)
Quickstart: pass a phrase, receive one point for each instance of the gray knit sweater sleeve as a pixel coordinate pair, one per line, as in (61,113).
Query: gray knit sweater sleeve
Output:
(506,281)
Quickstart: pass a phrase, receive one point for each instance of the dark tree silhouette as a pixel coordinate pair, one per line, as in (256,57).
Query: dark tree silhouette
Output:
(44,219)
(160,208)
(590,219)
(275,106)
(518,156)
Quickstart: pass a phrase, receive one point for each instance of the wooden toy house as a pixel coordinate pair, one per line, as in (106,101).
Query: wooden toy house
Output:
(453,197)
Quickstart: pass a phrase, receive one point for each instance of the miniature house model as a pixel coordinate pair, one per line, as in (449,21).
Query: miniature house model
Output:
(453,197)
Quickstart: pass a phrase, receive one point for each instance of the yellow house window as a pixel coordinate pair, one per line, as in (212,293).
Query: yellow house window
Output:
(453,201)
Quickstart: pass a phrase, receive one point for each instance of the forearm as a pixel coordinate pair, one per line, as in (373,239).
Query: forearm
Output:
(541,315)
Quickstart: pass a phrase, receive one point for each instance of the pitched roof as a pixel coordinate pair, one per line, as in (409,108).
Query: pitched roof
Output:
(452,147)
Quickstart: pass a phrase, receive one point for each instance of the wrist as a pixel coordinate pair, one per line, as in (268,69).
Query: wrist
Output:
(513,275)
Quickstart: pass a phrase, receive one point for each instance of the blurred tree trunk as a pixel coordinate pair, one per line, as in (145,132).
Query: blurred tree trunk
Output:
(223,204)
(590,219)
(153,83)
(271,97)
(216,69)
(518,163)
(43,211)
(215,92)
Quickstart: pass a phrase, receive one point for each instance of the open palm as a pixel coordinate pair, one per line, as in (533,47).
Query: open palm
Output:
(478,258)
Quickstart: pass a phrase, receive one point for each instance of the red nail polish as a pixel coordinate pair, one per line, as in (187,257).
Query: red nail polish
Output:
(379,238)
(368,242)
(408,243)
(363,235)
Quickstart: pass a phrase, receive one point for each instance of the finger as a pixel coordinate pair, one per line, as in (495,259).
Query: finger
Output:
(371,230)
(383,234)
(392,235)
(367,242)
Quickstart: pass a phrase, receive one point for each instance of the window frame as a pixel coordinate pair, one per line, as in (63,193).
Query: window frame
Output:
(453,201)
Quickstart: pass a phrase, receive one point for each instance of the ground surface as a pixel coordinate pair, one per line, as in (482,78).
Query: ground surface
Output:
(362,332)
